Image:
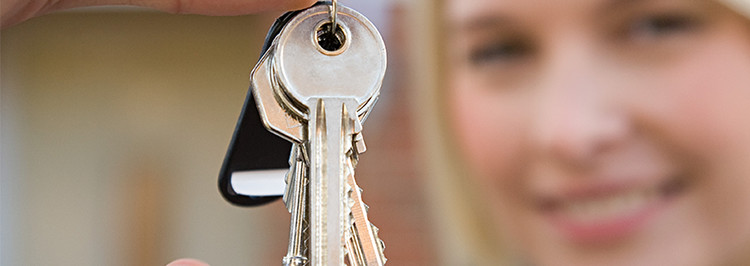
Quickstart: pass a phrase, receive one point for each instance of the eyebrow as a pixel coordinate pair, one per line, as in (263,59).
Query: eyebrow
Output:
(617,4)
(491,20)
(484,22)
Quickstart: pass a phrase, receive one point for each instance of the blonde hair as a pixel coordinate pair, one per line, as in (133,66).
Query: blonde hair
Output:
(740,6)
(466,235)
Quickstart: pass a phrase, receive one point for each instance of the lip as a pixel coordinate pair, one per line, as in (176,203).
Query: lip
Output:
(608,213)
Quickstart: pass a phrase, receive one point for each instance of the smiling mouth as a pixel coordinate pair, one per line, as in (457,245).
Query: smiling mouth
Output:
(609,215)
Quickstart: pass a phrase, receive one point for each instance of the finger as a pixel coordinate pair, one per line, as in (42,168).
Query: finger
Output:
(187,262)
(203,7)
(16,11)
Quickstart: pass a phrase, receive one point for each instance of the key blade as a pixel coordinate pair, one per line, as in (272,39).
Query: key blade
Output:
(331,136)
(366,236)
(297,206)
(326,223)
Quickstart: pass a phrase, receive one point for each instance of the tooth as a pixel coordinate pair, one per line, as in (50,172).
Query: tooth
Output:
(614,205)
(593,208)
(601,208)
(639,199)
(623,202)
(576,210)
(628,201)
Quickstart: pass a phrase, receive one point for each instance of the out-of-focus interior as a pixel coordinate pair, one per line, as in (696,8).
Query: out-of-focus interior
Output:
(115,122)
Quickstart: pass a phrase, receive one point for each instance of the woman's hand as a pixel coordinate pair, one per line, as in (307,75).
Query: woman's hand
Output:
(15,11)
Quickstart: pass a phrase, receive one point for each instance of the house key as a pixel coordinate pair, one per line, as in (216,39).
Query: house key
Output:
(314,86)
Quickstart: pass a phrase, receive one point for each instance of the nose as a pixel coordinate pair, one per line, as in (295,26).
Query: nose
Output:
(579,114)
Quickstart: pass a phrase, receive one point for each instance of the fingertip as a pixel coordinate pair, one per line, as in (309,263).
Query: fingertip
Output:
(187,262)
(227,7)
(300,4)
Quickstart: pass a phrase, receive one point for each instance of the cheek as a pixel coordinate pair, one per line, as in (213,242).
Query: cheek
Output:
(706,112)
(701,108)
(487,126)
(720,119)
(491,128)
(703,98)
(467,122)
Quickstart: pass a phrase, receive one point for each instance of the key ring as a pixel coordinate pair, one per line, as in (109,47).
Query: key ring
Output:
(334,11)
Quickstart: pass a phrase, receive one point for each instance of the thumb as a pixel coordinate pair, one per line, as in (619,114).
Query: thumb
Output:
(187,262)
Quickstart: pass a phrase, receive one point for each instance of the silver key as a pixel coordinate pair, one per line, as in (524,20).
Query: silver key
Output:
(296,202)
(316,94)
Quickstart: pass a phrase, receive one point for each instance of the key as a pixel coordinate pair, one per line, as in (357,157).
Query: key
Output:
(296,202)
(314,87)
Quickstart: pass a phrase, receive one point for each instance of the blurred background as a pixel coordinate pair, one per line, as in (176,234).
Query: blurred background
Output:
(114,124)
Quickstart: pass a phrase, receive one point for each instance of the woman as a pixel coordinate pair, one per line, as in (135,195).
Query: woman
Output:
(600,132)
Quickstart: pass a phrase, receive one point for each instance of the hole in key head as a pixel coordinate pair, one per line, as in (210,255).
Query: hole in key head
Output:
(331,41)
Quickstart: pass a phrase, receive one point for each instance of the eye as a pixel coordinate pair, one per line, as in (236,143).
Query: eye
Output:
(500,52)
(652,27)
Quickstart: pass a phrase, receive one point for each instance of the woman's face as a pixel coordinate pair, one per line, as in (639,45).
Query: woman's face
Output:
(606,132)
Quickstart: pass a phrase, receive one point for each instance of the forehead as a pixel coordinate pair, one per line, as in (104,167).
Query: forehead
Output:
(463,11)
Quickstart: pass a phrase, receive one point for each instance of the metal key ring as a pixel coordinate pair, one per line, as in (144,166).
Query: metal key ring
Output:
(334,11)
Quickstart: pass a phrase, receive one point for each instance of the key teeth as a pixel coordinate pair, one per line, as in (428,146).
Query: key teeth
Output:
(294,261)
(350,217)
(305,237)
(382,255)
(375,231)
(287,191)
(354,160)
(359,144)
